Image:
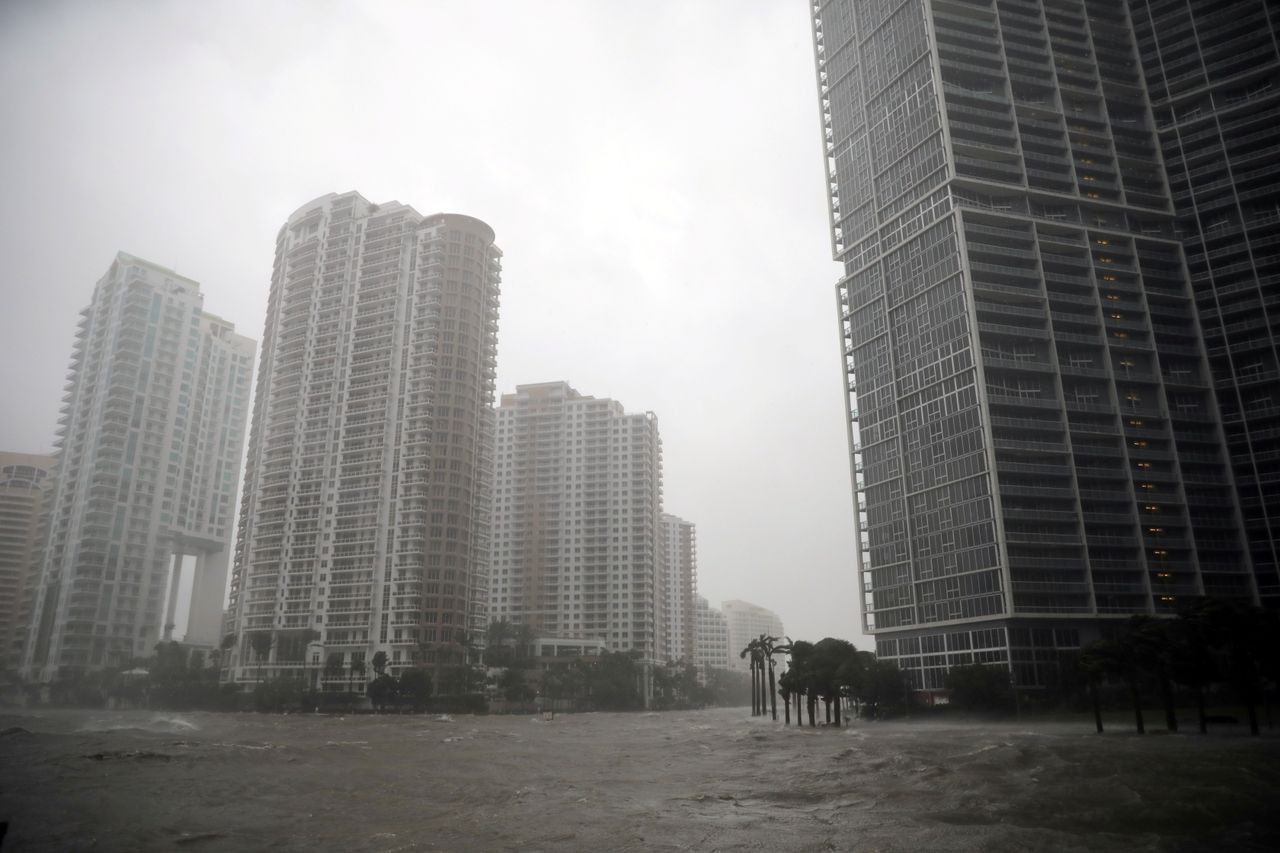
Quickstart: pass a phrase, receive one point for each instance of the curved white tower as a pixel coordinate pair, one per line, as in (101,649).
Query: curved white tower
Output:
(365,520)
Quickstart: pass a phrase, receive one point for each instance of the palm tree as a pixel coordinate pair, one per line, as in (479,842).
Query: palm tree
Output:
(356,669)
(753,649)
(1094,664)
(1117,658)
(1149,639)
(333,665)
(261,642)
(768,648)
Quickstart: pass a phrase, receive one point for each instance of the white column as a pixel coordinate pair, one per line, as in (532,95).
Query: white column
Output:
(175,581)
(208,590)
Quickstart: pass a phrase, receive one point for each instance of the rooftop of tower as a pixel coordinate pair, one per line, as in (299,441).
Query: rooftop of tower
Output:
(330,199)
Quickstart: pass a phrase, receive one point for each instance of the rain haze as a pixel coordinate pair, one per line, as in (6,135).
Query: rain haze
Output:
(653,173)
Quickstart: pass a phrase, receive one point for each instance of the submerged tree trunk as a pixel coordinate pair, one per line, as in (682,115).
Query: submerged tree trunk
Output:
(760,689)
(786,710)
(753,687)
(810,701)
(1137,707)
(773,693)
(838,723)
(1166,694)
(1097,707)
(1204,724)
(1252,704)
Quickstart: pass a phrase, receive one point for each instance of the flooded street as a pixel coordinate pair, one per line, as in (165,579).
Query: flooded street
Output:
(706,780)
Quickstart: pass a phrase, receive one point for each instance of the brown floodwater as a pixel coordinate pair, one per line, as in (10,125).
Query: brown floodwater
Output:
(700,780)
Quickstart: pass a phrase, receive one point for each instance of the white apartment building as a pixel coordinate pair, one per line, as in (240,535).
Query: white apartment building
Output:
(25,484)
(746,622)
(578,518)
(365,520)
(679,571)
(711,638)
(148,451)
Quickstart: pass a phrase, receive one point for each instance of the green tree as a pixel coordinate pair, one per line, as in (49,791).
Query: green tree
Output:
(1112,657)
(976,687)
(415,687)
(379,662)
(355,670)
(261,643)
(1151,644)
(613,681)
(383,691)
(832,661)
(333,667)
(885,686)
(513,686)
(751,653)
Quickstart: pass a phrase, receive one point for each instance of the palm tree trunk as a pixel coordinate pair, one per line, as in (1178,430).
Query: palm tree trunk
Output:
(1137,707)
(773,693)
(1166,694)
(755,696)
(763,687)
(1097,707)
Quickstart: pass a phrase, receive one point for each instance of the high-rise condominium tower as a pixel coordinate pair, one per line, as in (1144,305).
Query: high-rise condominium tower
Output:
(148,452)
(711,638)
(679,570)
(1213,74)
(25,481)
(578,518)
(365,520)
(745,622)
(1035,439)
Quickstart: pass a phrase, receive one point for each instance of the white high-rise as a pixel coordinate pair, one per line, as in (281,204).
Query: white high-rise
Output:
(25,483)
(746,622)
(679,568)
(148,451)
(711,638)
(578,518)
(365,520)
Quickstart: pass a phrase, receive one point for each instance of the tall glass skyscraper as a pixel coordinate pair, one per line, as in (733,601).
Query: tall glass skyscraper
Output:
(148,453)
(365,521)
(1213,74)
(1035,440)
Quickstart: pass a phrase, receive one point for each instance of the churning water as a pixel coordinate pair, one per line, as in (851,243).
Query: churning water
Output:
(704,780)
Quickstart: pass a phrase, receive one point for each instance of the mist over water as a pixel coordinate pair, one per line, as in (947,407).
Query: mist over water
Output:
(708,780)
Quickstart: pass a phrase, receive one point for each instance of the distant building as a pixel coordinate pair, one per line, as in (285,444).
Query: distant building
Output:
(747,622)
(148,452)
(711,638)
(365,521)
(25,483)
(578,519)
(679,570)
(1046,436)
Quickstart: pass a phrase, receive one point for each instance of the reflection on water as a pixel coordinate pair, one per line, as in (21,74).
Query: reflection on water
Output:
(710,780)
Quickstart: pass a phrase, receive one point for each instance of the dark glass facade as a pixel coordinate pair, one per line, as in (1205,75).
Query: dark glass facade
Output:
(1035,440)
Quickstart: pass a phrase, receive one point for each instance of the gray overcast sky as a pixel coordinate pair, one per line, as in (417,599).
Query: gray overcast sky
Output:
(653,172)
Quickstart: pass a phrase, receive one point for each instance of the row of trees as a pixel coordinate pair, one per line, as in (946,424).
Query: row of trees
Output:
(1211,643)
(831,672)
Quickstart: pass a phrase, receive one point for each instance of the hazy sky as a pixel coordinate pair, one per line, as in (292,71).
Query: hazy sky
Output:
(653,172)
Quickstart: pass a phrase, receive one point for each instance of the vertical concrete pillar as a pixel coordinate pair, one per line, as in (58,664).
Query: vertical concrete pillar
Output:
(175,581)
(208,588)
